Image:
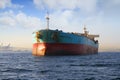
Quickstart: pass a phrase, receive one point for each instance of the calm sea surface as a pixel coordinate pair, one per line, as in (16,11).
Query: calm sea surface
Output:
(24,66)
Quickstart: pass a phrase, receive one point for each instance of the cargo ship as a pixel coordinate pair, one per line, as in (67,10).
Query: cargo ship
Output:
(57,42)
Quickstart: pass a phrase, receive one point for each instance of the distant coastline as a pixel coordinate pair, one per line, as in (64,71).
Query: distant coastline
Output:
(10,49)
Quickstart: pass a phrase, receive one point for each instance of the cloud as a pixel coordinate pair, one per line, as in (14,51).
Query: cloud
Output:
(85,5)
(9,19)
(27,21)
(69,13)
(7,3)
(109,6)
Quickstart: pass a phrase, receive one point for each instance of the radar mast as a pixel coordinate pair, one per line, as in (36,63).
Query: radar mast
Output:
(47,18)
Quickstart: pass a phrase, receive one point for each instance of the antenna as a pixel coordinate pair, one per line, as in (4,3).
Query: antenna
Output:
(84,28)
(47,18)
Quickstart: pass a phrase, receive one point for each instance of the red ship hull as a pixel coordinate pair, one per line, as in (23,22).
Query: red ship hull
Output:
(41,49)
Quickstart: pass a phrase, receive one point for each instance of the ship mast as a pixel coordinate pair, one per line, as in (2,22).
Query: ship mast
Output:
(47,18)
(85,31)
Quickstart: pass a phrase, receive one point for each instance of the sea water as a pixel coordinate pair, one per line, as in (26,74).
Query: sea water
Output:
(25,66)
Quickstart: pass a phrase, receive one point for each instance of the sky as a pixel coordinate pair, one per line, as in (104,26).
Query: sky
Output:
(20,18)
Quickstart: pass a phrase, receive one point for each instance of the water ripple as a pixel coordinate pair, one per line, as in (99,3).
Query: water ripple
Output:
(24,66)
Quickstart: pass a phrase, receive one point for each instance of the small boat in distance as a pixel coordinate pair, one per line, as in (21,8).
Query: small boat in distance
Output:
(56,42)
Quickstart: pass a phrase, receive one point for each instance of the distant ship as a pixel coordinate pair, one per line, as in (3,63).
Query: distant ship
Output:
(9,49)
(6,48)
(56,42)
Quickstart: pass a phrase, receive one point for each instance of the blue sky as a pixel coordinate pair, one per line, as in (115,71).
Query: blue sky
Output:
(19,18)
